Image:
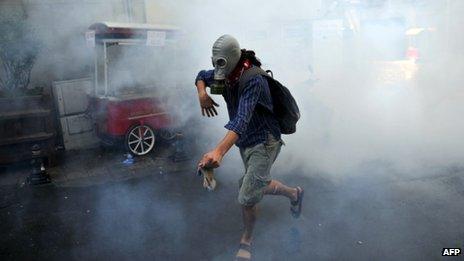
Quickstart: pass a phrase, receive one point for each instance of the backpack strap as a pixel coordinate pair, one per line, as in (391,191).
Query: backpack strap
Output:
(248,75)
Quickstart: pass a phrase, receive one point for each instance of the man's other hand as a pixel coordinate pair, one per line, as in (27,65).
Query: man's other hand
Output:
(211,159)
(207,105)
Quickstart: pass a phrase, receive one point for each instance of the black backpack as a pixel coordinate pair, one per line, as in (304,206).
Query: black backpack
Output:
(285,108)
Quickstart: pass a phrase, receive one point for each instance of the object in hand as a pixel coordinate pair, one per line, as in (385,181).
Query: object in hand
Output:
(209,182)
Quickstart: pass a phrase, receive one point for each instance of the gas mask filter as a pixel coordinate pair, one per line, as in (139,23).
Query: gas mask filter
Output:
(218,87)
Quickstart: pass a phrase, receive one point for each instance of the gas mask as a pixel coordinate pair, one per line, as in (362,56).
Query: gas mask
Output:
(226,54)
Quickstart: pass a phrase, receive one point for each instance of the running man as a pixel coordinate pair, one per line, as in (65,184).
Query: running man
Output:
(252,128)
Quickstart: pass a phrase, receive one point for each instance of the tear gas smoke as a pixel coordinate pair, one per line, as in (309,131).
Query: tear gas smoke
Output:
(362,103)
(363,100)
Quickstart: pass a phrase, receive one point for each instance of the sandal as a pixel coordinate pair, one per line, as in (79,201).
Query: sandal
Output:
(296,205)
(245,248)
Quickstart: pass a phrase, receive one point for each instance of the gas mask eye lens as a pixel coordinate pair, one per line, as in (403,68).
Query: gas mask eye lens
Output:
(221,62)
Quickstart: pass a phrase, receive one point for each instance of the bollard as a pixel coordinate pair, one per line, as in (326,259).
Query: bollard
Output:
(38,174)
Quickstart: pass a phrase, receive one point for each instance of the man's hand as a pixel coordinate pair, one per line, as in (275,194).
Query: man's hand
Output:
(211,159)
(207,105)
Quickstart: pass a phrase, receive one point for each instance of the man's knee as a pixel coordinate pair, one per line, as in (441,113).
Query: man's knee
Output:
(244,201)
(251,191)
(251,198)
(249,207)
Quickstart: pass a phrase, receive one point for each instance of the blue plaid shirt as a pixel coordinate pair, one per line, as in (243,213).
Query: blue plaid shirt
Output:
(250,124)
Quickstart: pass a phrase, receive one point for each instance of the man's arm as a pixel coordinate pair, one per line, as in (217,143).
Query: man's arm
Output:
(213,158)
(206,102)
(247,103)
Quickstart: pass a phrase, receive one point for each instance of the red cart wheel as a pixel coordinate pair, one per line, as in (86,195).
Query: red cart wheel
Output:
(140,139)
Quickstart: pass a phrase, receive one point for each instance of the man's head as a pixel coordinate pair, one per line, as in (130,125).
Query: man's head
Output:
(226,55)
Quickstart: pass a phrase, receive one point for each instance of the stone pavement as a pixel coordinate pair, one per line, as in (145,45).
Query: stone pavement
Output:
(100,209)
(94,167)
(98,166)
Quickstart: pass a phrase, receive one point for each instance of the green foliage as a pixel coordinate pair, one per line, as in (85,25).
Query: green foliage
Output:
(19,48)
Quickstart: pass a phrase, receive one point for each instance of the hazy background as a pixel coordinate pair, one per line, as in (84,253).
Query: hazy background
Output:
(368,103)
(361,99)
(367,110)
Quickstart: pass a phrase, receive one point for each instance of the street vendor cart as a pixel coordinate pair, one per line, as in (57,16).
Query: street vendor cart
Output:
(133,75)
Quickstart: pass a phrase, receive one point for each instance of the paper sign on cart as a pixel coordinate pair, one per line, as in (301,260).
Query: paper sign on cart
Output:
(156,38)
(90,38)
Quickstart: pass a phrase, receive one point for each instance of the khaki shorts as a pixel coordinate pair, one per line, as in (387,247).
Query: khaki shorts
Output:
(258,161)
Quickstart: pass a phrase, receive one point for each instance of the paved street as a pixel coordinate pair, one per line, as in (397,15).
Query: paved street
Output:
(377,215)
(367,94)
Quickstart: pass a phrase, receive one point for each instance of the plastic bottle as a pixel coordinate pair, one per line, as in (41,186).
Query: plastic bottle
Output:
(129,159)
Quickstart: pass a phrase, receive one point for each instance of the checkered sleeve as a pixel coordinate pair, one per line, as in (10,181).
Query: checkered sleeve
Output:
(205,75)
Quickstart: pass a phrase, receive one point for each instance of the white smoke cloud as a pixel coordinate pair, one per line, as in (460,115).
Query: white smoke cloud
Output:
(360,115)
(359,107)
(369,103)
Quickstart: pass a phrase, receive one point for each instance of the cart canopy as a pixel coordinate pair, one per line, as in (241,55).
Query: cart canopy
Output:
(111,30)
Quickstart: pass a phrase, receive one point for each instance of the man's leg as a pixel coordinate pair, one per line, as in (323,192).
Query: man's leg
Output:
(278,188)
(254,184)
(249,214)
(248,200)
(249,218)
(294,194)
